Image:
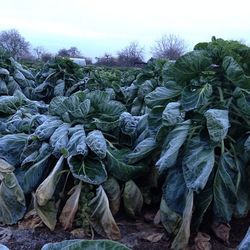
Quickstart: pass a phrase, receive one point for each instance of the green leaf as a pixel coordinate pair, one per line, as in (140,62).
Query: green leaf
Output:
(189,66)
(11,147)
(161,96)
(101,218)
(128,123)
(132,199)
(12,199)
(197,164)
(97,143)
(170,220)
(77,142)
(88,170)
(217,124)
(235,73)
(35,174)
(224,188)
(172,145)
(142,150)
(85,244)
(175,190)
(193,98)
(59,139)
(117,166)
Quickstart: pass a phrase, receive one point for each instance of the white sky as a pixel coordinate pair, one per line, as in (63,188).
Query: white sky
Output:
(99,26)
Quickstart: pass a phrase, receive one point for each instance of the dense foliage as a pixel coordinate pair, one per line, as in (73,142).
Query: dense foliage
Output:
(80,144)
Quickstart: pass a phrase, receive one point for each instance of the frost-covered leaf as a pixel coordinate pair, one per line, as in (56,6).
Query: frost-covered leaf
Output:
(97,143)
(172,114)
(217,124)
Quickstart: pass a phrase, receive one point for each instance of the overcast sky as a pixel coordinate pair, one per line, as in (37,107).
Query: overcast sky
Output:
(97,26)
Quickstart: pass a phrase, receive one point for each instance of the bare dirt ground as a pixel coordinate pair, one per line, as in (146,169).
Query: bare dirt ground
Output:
(139,234)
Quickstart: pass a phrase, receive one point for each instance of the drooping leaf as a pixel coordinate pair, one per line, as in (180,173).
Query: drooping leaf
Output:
(142,150)
(12,199)
(172,114)
(70,208)
(224,188)
(46,189)
(101,218)
(128,123)
(47,213)
(11,147)
(217,124)
(77,142)
(113,191)
(197,164)
(170,220)
(182,238)
(117,166)
(97,143)
(173,143)
(132,199)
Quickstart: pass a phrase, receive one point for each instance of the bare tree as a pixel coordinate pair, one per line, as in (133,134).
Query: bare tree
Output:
(169,47)
(14,43)
(131,55)
(106,60)
(71,52)
(39,51)
(46,57)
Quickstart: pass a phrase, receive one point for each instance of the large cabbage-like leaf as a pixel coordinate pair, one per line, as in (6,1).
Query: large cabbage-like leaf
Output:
(173,143)
(12,200)
(193,98)
(235,73)
(88,170)
(128,123)
(142,150)
(101,217)
(189,66)
(198,163)
(85,244)
(217,124)
(97,143)
(175,190)
(224,188)
(11,147)
(161,96)
(117,166)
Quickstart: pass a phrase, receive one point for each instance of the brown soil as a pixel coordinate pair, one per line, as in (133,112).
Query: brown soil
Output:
(139,234)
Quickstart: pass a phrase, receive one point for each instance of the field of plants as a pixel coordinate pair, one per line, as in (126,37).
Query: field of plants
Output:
(80,145)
